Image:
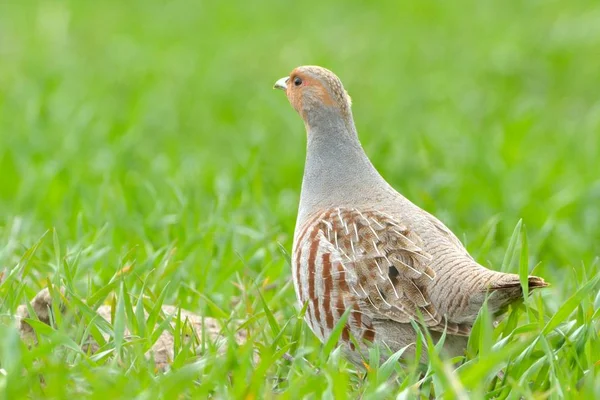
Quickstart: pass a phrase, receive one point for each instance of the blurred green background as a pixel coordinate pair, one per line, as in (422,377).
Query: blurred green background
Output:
(147,133)
(157,122)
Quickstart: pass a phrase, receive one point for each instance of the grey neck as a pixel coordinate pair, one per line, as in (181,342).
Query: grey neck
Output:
(337,170)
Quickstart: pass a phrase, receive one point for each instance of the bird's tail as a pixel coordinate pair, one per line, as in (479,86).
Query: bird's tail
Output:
(505,289)
(511,281)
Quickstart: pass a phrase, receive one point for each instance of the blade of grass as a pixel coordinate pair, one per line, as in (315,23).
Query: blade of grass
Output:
(524,264)
(510,251)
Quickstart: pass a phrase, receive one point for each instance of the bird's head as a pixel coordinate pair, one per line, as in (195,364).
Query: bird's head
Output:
(315,93)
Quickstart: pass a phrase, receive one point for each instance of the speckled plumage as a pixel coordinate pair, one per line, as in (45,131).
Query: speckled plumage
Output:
(360,245)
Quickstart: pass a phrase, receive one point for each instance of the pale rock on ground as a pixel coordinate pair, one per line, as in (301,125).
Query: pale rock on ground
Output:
(162,350)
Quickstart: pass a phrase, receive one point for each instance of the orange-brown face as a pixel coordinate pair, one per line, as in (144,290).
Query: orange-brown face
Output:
(311,88)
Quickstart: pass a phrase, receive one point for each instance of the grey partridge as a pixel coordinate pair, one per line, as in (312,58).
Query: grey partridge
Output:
(361,245)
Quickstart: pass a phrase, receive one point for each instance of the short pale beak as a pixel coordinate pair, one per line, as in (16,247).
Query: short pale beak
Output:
(281,83)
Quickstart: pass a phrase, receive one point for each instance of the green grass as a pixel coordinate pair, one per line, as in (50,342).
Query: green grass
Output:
(146,136)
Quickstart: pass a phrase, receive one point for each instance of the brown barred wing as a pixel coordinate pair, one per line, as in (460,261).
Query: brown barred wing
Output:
(385,266)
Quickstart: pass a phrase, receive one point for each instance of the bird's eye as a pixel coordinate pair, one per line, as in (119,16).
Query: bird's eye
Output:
(297,81)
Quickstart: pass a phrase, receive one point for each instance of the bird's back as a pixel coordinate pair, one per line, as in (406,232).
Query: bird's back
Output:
(461,284)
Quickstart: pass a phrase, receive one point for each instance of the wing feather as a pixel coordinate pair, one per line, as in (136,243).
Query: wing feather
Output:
(386,268)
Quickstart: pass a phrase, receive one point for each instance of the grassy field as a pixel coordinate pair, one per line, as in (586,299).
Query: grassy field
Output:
(145,159)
